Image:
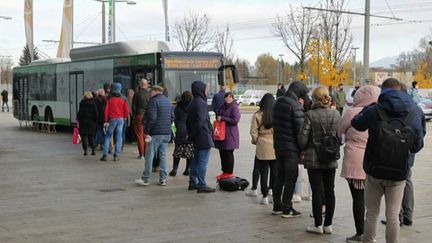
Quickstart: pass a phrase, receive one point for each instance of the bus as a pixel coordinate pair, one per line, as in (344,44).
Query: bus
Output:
(50,90)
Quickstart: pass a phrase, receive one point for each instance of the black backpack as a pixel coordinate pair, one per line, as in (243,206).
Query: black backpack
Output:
(389,151)
(233,184)
(328,145)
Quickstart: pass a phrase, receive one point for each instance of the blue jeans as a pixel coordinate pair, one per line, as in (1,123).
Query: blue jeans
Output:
(159,145)
(198,167)
(99,135)
(3,106)
(115,125)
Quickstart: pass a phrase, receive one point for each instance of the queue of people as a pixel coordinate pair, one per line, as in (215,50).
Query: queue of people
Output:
(289,131)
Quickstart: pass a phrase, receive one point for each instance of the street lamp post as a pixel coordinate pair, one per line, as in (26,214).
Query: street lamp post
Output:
(280,73)
(113,17)
(354,64)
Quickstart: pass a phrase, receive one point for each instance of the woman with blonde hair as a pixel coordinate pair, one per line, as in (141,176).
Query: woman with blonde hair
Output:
(352,165)
(320,127)
(87,119)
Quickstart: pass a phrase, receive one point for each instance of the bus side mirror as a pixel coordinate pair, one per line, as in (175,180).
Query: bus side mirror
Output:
(221,72)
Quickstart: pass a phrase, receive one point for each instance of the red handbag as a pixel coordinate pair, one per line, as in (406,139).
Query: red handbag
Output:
(219,130)
(76,138)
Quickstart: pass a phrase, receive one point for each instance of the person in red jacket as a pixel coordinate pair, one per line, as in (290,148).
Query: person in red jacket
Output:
(116,112)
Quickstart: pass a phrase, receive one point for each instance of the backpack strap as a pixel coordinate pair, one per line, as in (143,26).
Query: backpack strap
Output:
(322,126)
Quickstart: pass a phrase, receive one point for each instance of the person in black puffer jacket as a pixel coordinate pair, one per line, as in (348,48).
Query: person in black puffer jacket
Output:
(321,175)
(87,117)
(288,118)
(183,146)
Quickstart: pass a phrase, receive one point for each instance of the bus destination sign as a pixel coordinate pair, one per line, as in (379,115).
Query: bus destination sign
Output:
(172,62)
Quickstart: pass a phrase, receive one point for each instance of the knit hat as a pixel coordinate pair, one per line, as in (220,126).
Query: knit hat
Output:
(116,87)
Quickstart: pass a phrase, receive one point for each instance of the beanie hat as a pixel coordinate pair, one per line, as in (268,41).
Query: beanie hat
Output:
(117,87)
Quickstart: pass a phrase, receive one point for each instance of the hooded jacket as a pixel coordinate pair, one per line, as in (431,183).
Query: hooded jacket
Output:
(355,141)
(87,117)
(396,104)
(198,120)
(288,117)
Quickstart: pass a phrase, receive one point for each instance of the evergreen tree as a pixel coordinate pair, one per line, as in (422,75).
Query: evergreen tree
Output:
(25,56)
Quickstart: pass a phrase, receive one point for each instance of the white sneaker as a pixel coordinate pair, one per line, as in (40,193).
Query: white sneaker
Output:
(328,229)
(264,201)
(141,182)
(140,157)
(296,198)
(252,193)
(162,183)
(313,229)
(270,192)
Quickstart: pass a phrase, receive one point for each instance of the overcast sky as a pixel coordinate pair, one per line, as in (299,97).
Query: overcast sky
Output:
(250,21)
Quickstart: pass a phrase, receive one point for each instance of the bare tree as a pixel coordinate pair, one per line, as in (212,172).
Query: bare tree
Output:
(296,30)
(224,43)
(6,64)
(406,62)
(192,31)
(334,28)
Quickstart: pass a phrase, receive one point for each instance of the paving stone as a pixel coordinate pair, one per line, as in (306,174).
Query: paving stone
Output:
(51,193)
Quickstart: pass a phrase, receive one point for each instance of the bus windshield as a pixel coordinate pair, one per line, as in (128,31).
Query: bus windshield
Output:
(177,81)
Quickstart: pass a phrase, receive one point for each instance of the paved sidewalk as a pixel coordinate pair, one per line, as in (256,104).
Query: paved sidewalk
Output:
(50,192)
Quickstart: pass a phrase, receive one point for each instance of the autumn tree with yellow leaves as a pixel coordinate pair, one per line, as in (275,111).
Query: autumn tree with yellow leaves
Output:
(423,74)
(322,66)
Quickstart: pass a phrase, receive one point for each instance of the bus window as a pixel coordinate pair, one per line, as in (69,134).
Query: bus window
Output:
(123,75)
(177,81)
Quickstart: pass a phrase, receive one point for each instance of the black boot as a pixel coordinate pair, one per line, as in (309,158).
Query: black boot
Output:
(116,158)
(187,169)
(176,162)
(173,172)
(104,158)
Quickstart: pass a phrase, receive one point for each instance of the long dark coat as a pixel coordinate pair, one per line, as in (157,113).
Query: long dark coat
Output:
(87,117)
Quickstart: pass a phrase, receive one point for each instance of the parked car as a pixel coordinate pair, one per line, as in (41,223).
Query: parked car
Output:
(349,98)
(426,106)
(251,97)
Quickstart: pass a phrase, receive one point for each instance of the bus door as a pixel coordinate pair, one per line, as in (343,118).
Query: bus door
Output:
(76,92)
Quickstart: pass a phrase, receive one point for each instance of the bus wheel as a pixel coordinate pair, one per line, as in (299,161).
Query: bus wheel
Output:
(34,114)
(49,115)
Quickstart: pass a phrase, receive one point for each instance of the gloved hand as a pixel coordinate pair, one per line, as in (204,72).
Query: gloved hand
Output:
(148,138)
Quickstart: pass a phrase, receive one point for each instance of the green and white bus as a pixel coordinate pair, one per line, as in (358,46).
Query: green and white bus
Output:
(50,90)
